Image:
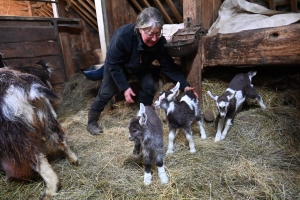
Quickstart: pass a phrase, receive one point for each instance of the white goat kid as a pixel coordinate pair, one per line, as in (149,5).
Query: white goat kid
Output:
(231,101)
(180,114)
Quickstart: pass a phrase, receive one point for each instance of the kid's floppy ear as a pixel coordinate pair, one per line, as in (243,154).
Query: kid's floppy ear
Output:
(142,114)
(215,97)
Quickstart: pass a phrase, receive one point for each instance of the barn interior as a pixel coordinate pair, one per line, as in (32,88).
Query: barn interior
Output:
(260,157)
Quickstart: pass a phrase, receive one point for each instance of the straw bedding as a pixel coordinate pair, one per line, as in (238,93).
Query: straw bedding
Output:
(259,158)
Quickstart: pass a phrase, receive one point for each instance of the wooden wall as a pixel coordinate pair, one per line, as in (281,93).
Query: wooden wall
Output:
(27,40)
(14,8)
(119,12)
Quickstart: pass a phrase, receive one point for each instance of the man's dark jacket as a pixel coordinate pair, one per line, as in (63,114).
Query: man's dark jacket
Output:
(127,52)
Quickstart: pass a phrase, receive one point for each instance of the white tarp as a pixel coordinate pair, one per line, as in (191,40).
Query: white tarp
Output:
(169,29)
(239,15)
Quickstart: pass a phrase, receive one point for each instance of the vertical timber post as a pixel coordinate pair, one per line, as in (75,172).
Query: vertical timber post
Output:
(193,63)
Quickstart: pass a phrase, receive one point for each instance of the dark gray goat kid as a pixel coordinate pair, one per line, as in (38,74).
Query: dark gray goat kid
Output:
(231,101)
(180,114)
(146,131)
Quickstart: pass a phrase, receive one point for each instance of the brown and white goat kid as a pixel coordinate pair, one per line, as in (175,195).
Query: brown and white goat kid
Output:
(180,114)
(27,125)
(146,131)
(231,101)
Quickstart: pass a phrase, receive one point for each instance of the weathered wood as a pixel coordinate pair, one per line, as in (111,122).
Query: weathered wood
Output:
(29,34)
(163,11)
(174,10)
(192,10)
(92,4)
(294,6)
(267,46)
(29,50)
(137,5)
(193,63)
(67,54)
(54,61)
(272,4)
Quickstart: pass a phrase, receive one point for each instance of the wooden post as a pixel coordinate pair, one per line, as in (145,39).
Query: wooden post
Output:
(102,26)
(193,63)
(204,13)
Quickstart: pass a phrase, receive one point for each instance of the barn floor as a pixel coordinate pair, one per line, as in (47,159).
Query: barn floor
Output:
(259,158)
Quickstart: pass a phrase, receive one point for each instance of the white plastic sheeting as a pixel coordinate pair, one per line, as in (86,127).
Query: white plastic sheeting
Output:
(239,15)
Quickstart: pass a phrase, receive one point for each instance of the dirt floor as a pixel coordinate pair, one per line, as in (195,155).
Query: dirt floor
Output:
(259,158)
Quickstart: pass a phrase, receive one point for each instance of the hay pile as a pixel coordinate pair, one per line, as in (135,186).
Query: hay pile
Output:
(259,159)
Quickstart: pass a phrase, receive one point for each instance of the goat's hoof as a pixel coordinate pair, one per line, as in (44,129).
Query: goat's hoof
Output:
(193,150)
(217,140)
(203,137)
(170,152)
(75,163)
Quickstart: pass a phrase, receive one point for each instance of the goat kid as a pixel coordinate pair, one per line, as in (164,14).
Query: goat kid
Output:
(180,114)
(27,125)
(146,131)
(231,101)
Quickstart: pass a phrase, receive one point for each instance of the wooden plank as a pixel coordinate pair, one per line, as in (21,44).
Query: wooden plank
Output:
(207,13)
(29,34)
(216,7)
(174,10)
(57,77)
(67,54)
(272,4)
(91,3)
(29,50)
(54,61)
(86,6)
(191,10)
(267,46)
(193,63)
(163,11)
(146,3)
(137,5)
(294,7)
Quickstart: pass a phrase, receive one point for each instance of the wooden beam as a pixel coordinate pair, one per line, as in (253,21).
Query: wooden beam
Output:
(103,34)
(91,4)
(137,5)
(83,14)
(146,3)
(272,4)
(193,63)
(174,10)
(294,7)
(91,11)
(163,11)
(266,46)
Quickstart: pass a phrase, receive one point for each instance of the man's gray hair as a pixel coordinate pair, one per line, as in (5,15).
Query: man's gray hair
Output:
(149,17)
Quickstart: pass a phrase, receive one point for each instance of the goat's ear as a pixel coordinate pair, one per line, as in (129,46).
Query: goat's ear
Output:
(175,92)
(176,88)
(231,96)
(212,95)
(142,114)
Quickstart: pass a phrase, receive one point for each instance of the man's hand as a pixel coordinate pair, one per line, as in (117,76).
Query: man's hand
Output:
(128,95)
(187,88)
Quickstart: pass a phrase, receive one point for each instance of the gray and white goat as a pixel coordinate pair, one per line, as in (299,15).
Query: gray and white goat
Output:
(180,114)
(147,132)
(231,101)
